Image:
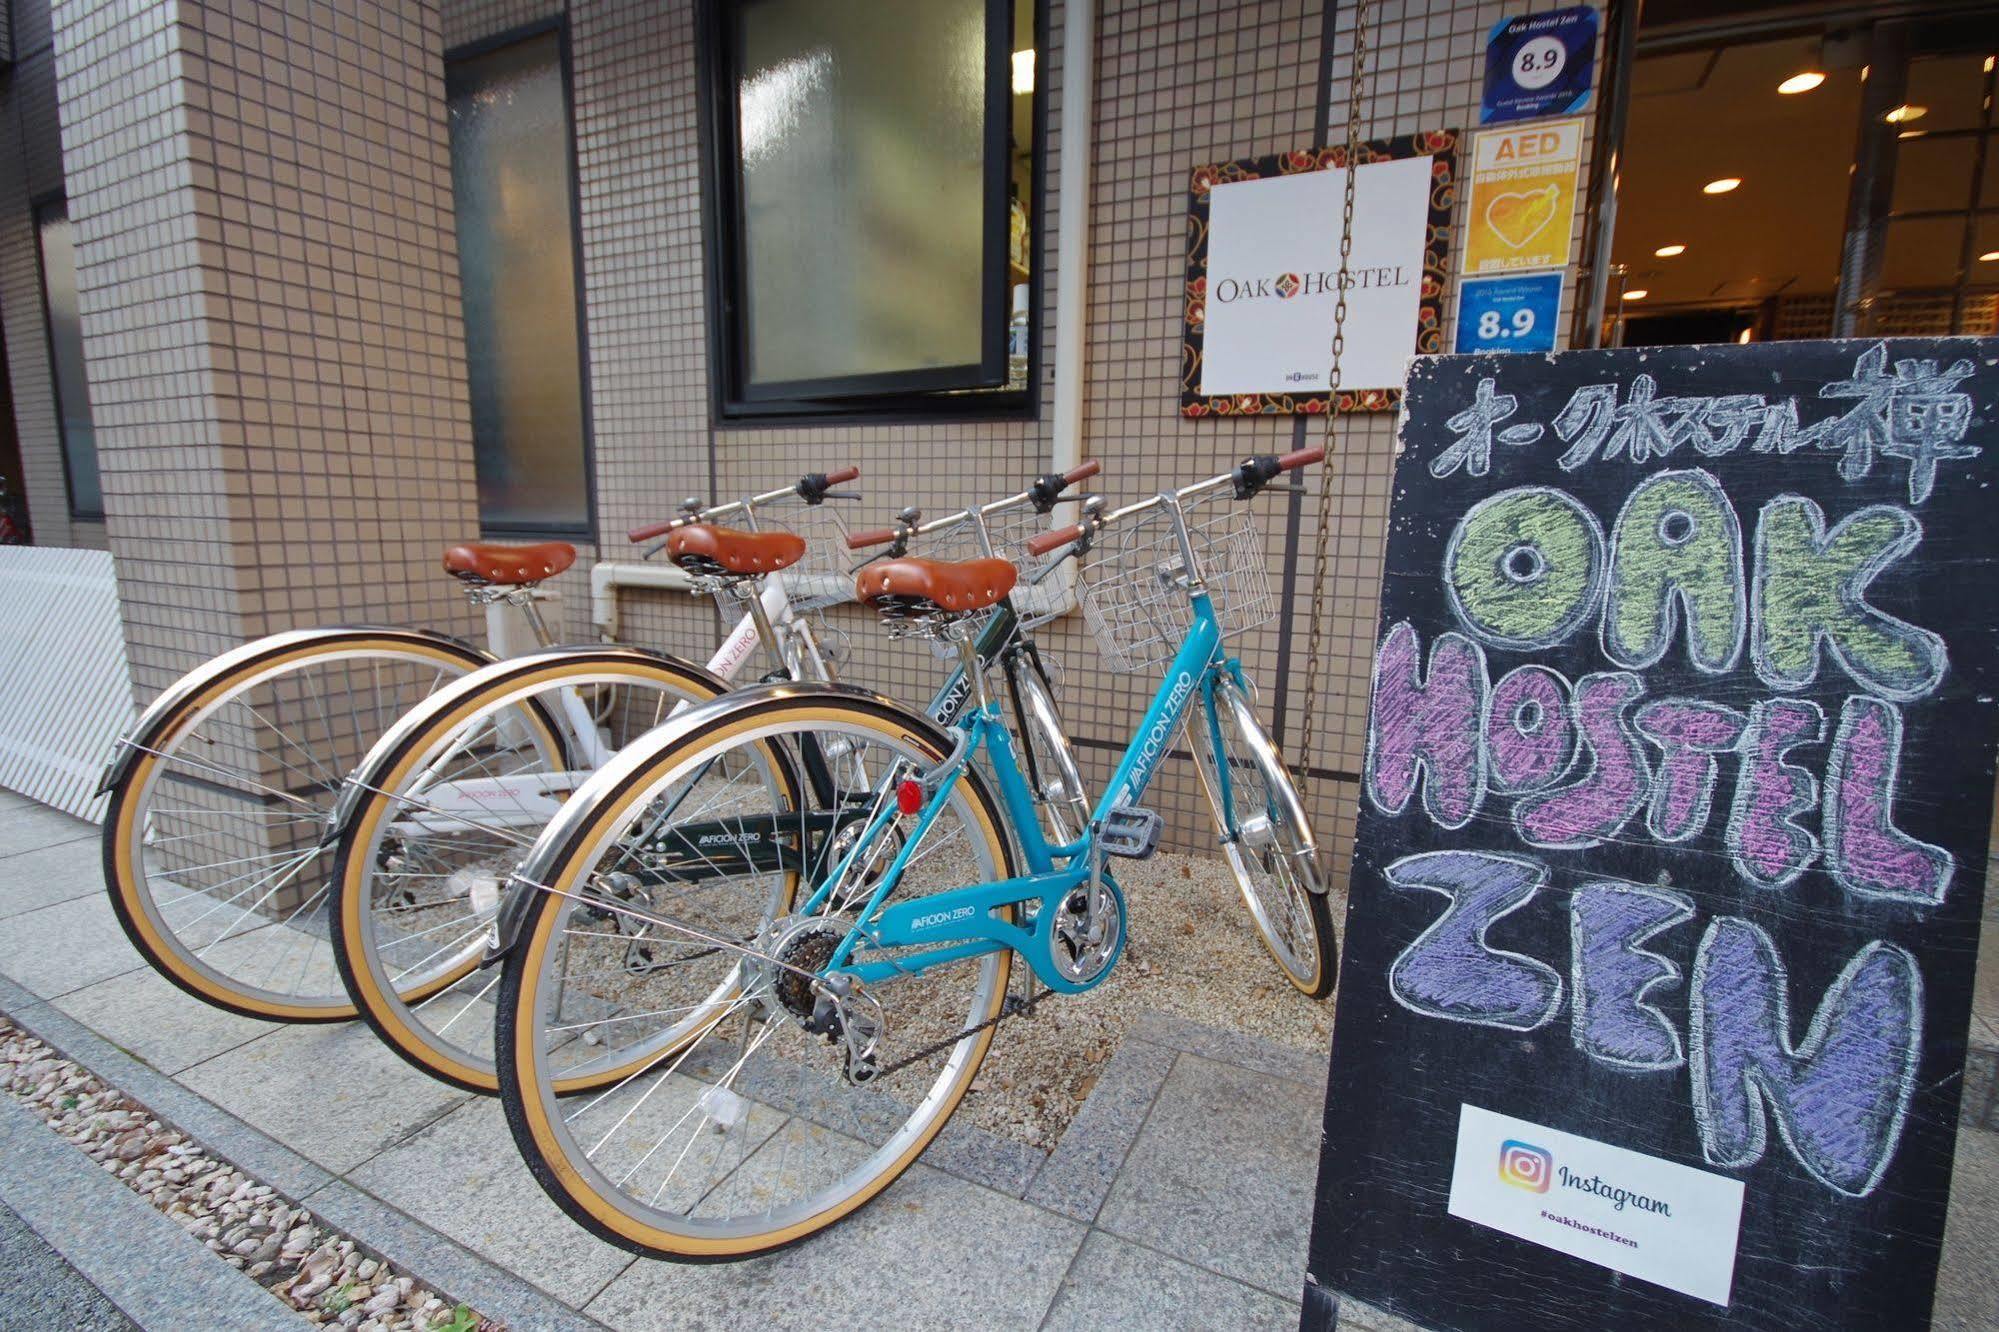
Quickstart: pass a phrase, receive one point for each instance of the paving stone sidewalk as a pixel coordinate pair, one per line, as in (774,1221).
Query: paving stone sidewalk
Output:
(1179,1197)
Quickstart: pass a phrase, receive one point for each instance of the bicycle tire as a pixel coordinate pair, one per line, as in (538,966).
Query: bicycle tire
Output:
(150,750)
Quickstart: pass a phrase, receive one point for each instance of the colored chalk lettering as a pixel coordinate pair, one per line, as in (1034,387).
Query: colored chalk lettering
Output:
(1838,1095)
(1450,971)
(1529,736)
(1811,590)
(1596,806)
(1676,550)
(1769,846)
(1428,727)
(1617,1019)
(1689,734)
(1693,657)
(1865,851)
(1525,568)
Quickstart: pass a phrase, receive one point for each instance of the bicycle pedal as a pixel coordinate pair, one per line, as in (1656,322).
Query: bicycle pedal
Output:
(1130,833)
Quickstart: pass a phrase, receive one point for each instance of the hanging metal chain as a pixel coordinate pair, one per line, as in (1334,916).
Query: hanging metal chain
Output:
(1315,641)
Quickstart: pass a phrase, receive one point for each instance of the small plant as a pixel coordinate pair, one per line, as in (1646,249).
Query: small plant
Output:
(338,1300)
(462,1320)
(68,1102)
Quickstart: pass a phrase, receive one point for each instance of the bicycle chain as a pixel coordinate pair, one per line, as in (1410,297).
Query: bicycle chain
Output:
(1013,1006)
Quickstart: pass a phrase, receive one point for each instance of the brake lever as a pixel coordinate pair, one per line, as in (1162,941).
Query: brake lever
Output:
(1047,571)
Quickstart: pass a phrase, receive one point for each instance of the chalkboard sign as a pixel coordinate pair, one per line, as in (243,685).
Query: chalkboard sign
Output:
(1672,840)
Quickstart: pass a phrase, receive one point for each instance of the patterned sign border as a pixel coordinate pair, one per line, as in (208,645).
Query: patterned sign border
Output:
(1430,339)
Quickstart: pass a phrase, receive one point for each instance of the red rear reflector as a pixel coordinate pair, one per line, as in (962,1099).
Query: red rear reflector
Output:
(909,796)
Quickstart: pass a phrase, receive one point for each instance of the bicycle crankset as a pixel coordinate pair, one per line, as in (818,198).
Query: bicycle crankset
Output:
(1084,947)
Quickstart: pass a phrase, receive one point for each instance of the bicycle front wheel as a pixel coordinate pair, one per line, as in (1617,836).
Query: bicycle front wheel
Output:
(213,852)
(1266,840)
(447,804)
(752,1108)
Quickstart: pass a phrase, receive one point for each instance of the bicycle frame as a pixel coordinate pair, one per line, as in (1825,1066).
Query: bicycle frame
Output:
(533,798)
(957,923)
(724,847)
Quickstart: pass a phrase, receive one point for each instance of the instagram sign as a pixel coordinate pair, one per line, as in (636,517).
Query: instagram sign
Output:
(1525,1166)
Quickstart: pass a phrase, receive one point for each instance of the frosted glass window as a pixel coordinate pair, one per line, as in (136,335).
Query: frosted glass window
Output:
(510,175)
(79,436)
(870,192)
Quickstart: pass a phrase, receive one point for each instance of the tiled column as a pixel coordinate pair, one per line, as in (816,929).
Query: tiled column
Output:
(269,288)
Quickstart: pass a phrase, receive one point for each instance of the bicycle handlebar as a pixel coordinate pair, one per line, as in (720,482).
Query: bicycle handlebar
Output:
(1054,539)
(650,530)
(879,536)
(1245,479)
(1044,494)
(811,488)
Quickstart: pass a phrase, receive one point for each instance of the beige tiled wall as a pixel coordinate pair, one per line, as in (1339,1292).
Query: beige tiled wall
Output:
(268,281)
(1177,85)
(266,376)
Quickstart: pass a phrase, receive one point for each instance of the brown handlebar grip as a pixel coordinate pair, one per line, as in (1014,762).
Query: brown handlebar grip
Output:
(650,530)
(1291,462)
(1055,540)
(881,536)
(1082,472)
(843,476)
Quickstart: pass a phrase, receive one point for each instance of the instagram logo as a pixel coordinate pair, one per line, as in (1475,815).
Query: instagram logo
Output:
(1525,1166)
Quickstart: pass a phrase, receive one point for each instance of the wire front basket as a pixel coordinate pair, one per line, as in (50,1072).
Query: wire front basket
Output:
(1134,589)
(824,576)
(1009,529)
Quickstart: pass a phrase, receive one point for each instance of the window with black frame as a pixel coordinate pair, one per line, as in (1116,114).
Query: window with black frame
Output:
(57,244)
(873,184)
(513,185)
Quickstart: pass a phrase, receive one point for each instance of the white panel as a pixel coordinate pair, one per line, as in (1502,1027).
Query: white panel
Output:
(65,690)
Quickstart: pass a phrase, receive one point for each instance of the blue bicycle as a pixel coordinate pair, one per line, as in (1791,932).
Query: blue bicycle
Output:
(811,1018)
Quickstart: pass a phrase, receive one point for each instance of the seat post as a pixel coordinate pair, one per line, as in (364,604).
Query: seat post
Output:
(523,597)
(749,591)
(968,657)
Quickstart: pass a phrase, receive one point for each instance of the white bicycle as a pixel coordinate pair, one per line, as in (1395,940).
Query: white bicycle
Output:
(216,850)
(437,815)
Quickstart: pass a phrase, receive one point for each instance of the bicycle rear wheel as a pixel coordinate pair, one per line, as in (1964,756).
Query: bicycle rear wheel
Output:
(212,839)
(449,802)
(752,1108)
(1266,840)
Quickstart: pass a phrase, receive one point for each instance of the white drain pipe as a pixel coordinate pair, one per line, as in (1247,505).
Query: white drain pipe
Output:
(1072,272)
(607,576)
(1057,596)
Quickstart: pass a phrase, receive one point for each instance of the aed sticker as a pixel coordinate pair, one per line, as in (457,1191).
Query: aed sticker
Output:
(1523,197)
(1659,1221)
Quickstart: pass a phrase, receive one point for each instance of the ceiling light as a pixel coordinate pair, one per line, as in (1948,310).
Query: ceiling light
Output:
(1800,83)
(1722,186)
(1989,257)
(1635,294)
(1023,71)
(1669,251)
(1905,113)
(1745,335)
(1912,134)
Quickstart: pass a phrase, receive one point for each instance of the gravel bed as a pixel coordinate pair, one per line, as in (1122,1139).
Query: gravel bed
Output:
(1192,953)
(325,1276)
